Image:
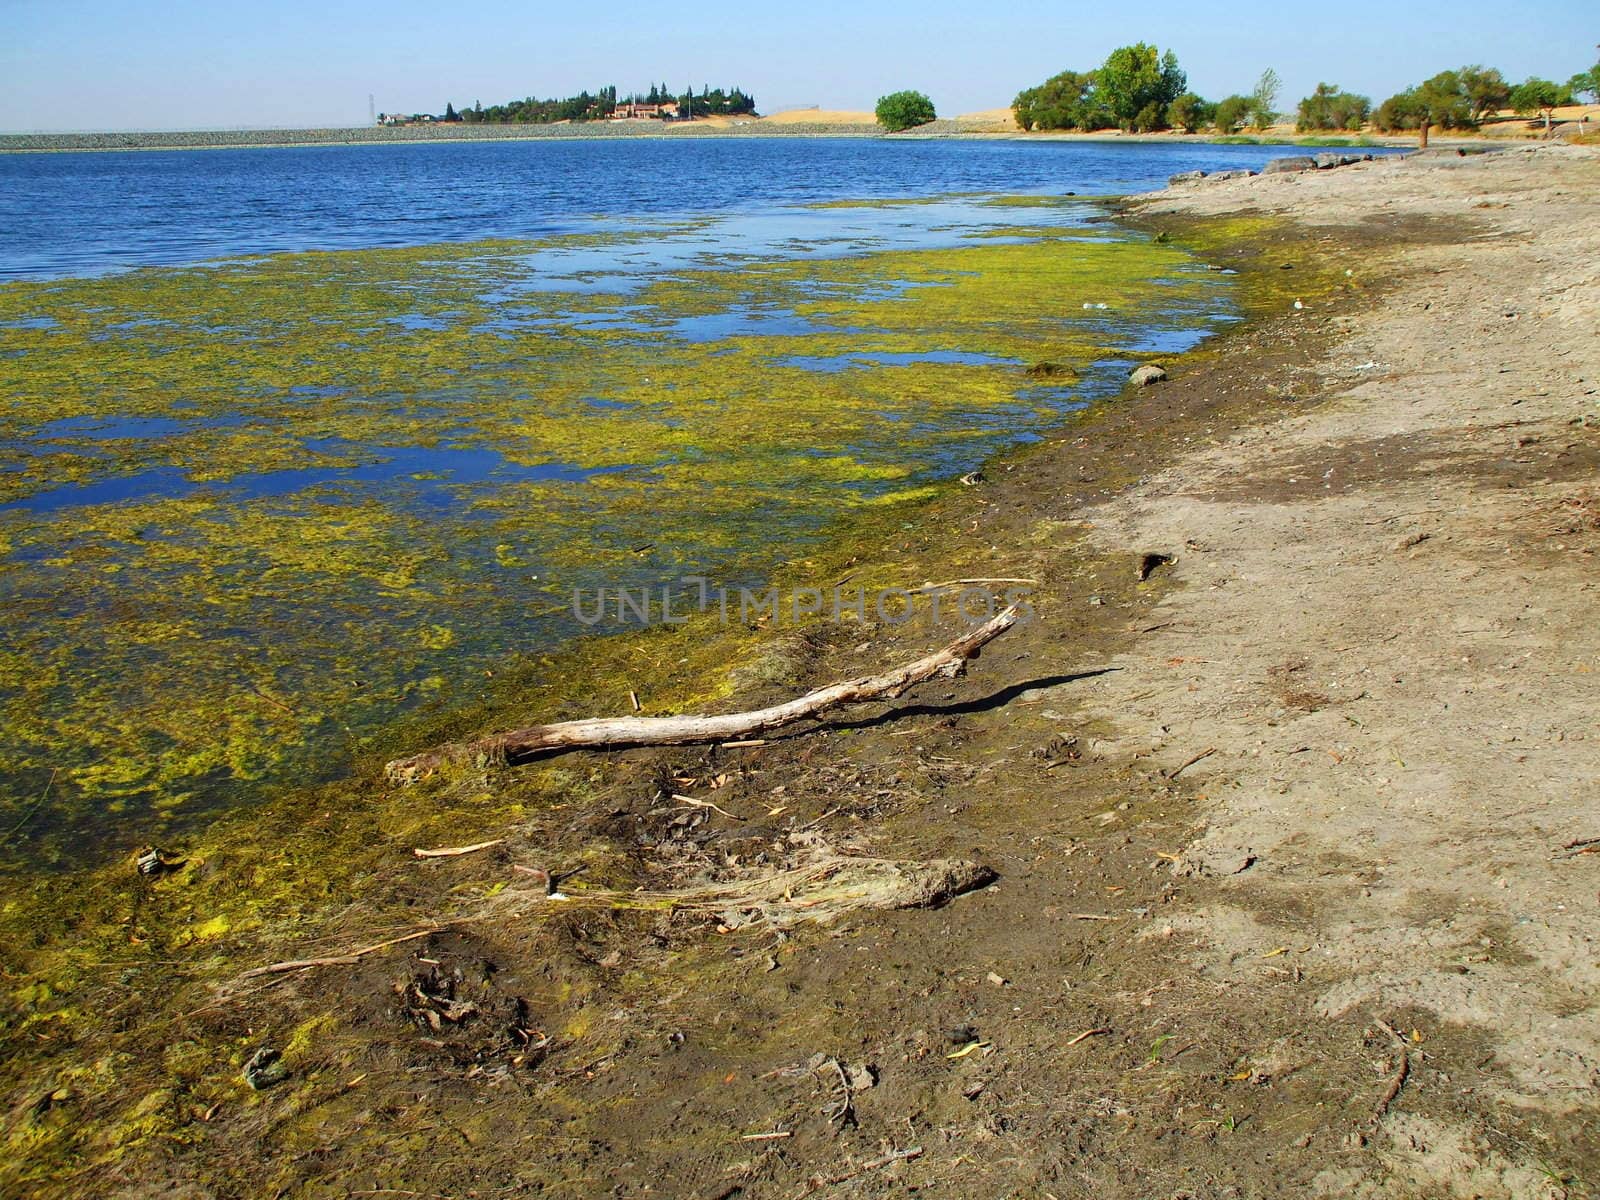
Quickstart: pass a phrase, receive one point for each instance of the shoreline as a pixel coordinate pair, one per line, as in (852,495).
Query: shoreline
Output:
(281,139)
(1194,940)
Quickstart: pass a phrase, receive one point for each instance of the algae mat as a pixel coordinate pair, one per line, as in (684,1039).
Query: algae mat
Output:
(254,511)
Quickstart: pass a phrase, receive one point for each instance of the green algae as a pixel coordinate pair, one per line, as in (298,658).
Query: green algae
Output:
(169,650)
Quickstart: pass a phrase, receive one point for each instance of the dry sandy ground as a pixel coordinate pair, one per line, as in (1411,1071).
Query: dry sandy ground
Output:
(820,116)
(1405,799)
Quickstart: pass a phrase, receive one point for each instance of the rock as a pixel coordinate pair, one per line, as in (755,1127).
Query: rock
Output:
(1331,159)
(1185,177)
(1146,375)
(1288,166)
(264,1069)
(1224,176)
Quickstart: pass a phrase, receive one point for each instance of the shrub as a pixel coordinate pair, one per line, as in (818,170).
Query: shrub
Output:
(1231,113)
(904,110)
(1329,108)
(1189,112)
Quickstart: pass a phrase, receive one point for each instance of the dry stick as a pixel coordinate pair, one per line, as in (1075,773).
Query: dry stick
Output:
(1402,1072)
(1189,762)
(1086,1034)
(338,960)
(678,731)
(950,583)
(456,851)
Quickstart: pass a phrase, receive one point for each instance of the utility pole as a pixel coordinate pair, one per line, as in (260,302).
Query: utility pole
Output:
(372,109)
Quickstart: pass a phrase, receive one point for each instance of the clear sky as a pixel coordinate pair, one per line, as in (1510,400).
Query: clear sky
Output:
(136,64)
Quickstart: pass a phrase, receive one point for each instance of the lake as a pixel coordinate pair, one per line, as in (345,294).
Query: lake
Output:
(296,443)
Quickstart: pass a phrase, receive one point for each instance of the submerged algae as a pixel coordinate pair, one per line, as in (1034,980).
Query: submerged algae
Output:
(346,484)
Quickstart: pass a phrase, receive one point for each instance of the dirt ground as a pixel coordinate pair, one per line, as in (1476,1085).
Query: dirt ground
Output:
(1275,880)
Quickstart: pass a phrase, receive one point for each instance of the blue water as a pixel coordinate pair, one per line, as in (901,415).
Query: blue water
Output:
(88,213)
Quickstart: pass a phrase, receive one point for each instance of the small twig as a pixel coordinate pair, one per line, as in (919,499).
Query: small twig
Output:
(950,583)
(1398,1081)
(34,807)
(1090,917)
(338,960)
(743,744)
(1087,1034)
(872,1164)
(1189,762)
(456,851)
(766,1137)
(633,699)
(1580,846)
(693,803)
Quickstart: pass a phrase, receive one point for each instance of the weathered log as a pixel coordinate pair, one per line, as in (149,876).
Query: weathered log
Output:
(685,730)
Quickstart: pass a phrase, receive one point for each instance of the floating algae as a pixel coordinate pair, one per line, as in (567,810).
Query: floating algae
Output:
(253,511)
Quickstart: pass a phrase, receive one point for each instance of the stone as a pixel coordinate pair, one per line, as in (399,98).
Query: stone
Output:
(1224,176)
(1146,375)
(1184,177)
(1330,159)
(1286,166)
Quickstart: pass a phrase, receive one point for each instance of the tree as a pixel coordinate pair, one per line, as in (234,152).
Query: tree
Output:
(450,113)
(1586,83)
(1137,83)
(1329,108)
(1188,112)
(1486,90)
(1540,96)
(1264,99)
(1231,113)
(903,110)
(1064,101)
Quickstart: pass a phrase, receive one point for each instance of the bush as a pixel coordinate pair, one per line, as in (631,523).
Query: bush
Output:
(1329,108)
(904,110)
(1188,113)
(1230,114)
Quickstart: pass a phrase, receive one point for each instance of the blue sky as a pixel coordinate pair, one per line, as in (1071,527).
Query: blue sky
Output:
(133,64)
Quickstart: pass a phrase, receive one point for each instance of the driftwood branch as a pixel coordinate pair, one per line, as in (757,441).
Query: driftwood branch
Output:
(685,730)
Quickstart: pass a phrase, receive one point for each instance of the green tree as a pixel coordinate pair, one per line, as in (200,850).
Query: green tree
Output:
(1189,112)
(1064,101)
(1329,108)
(1137,83)
(1230,114)
(904,110)
(1264,99)
(1486,90)
(1445,102)
(1586,83)
(1540,96)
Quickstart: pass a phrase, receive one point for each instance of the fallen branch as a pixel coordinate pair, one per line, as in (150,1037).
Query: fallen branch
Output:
(678,731)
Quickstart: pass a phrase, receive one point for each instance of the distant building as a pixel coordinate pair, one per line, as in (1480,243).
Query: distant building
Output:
(628,110)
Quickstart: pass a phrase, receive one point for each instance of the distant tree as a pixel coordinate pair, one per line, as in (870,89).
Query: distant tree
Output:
(1189,112)
(1064,101)
(1264,99)
(1137,83)
(904,110)
(450,113)
(1399,112)
(1486,90)
(1329,108)
(1586,83)
(1540,96)
(1230,114)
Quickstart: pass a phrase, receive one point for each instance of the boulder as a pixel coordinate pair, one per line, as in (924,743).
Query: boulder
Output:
(1184,177)
(1224,176)
(1285,166)
(1146,375)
